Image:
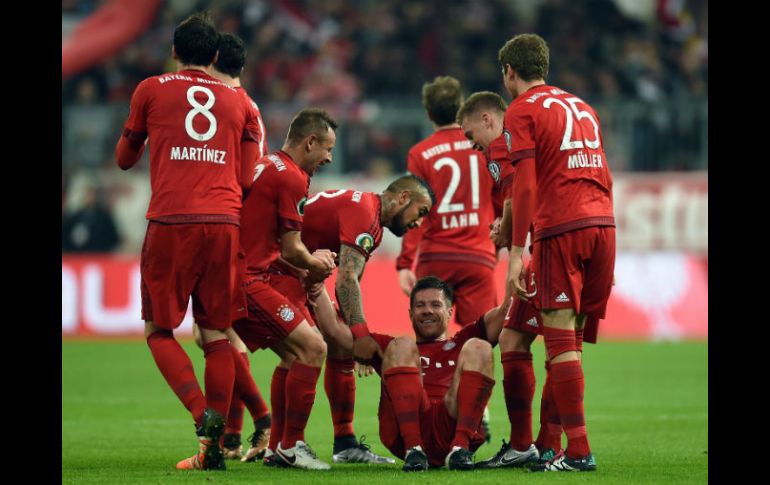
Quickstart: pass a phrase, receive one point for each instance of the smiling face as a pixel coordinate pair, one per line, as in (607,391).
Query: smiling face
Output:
(319,151)
(430,314)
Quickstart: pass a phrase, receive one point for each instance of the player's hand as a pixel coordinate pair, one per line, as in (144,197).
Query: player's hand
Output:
(364,349)
(406,280)
(363,370)
(494,228)
(314,290)
(323,266)
(326,257)
(515,283)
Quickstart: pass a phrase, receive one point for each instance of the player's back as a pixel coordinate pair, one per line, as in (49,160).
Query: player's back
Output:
(562,132)
(336,217)
(457,173)
(274,205)
(195,124)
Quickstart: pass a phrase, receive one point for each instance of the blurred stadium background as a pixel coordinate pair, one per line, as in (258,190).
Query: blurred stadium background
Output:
(643,64)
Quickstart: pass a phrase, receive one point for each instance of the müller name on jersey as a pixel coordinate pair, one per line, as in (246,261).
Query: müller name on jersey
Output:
(582,160)
(198,154)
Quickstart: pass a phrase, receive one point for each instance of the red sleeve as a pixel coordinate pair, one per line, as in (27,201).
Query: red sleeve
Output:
(523,200)
(131,143)
(477,330)
(249,156)
(292,196)
(383,341)
(356,221)
(518,134)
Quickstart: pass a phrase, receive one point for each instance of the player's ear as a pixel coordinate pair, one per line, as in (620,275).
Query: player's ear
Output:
(216,57)
(173,53)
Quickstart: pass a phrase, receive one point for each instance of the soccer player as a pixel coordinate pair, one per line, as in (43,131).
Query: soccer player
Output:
(272,223)
(554,139)
(350,223)
(228,68)
(195,126)
(453,242)
(434,389)
(481,118)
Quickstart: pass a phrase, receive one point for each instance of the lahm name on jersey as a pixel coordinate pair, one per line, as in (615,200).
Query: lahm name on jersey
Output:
(459,220)
(582,160)
(199,154)
(446,147)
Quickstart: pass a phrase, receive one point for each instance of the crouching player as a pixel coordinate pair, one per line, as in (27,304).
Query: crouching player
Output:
(434,388)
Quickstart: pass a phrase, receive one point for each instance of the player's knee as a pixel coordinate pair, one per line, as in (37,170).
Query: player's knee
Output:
(314,351)
(477,353)
(402,351)
(515,341)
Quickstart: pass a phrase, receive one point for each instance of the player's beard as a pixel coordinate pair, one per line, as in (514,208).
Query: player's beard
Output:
(398,226)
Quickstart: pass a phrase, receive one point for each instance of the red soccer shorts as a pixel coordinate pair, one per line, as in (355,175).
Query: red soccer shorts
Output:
(473,284)
(199,260)
(271,316)
(522,315)
(575,270)
(437,429)
(290,286)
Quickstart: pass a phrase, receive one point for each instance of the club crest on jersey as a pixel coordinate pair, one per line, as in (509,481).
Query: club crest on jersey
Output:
(286,313)
(301,206)
(494,170)
(449,345)
(507,136)
(365,241)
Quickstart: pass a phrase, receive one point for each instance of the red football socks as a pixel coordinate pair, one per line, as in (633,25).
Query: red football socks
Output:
(278,405)
(340,386)
(472,396)
(175,365)
(245,393)
(219,376)
(405,392)
(300,395)
(519,387)
(567,384)
(550,424)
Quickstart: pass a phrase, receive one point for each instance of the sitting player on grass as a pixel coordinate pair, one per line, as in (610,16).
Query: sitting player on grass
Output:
(434,389)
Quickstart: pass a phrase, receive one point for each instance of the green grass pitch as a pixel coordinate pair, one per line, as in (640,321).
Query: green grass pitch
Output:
(646,411)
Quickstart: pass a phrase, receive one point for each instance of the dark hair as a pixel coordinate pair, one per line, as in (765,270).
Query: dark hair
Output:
(527,54)
(232,55)
(310,121)
(442,98)
(411,182)
(432,282)
(196,40)
(481,101)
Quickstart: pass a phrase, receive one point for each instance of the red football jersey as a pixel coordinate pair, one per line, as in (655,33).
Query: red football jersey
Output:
(561,132)
(457,227)
(438,359)
(501,172)
(275,205)
(336,217)
(195,125)
(255,126)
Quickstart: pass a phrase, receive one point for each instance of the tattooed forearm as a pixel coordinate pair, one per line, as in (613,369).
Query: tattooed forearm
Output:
(351,268)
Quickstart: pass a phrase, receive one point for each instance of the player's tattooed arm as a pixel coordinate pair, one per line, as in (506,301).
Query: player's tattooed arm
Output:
(351,268)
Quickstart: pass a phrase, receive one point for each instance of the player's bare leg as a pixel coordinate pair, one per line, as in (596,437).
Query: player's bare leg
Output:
(307,345)
(402,375)
(519,389)
(567,387)
(466,398)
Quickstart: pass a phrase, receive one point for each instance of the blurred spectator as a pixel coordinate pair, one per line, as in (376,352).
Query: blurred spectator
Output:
(90,228)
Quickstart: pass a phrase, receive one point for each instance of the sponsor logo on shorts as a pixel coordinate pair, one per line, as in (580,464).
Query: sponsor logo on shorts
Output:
(286,313)
(365,241)
(562,298)
(532,321)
